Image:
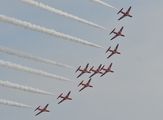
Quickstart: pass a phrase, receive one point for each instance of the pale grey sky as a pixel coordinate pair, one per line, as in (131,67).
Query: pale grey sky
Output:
(133,91)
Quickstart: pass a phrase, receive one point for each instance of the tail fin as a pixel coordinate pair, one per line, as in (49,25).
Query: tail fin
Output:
(59,95)
(108,49)
(112,31)
(78,68)
(120,11)
(37,108)
(80,83)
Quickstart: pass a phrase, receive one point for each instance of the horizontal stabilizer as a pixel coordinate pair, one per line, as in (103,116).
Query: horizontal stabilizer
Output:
(37,108)
(120,11)
(108,49)
(80,83)
(78,68)
(59,96)
(112,31)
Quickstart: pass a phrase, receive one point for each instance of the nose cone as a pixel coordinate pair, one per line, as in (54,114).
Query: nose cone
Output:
(90,86)
(122,35)
(101,72)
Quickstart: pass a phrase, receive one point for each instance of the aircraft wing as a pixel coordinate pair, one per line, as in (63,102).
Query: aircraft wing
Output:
(110,55)
(82,88)
(121,30)
(103,73)
(61,101)
(46,106)
(99,67)
(116,47)
(110,66)
(89,81)
(113,37)
(86,67)
(38,113)
(80,74)
(68,94)
(128,10)
(92,74)
(121,17)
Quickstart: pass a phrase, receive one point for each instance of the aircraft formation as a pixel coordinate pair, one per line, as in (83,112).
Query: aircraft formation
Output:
(100,70)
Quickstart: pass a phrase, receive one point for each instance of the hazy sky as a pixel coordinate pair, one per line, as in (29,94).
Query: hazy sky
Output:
(133,91)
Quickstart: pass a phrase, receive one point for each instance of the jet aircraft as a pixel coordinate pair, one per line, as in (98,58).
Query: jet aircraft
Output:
(119,33)
(113,51)
(106,69)
(85,70)
(98,70)
(64,97)
(85,84)
(125,13)
(42,109)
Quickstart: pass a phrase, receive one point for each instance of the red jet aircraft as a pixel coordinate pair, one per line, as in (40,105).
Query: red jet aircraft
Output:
(119,33)
(106,69)
(64,97)
(98,70)
(125,13)
(42,109)
(113,51)
(83,70)
(85,84)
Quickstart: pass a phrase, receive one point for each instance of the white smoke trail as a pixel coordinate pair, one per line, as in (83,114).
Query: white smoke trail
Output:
(24,88)
(25,55)
(44,30)
(11,103)
(45,7)
(31,70)
(103,3)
